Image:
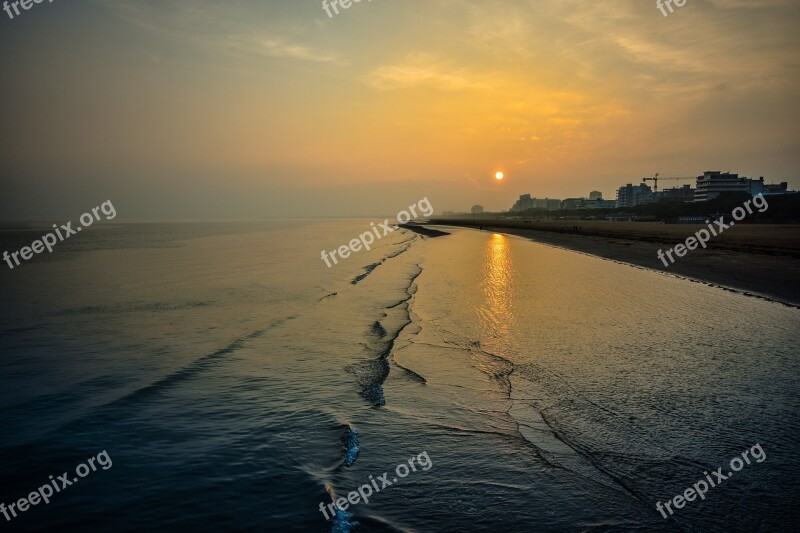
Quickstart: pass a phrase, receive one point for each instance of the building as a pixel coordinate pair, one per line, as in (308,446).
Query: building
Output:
(781,188)
(573,203)
(600,204)
(759,187)
(713,183)
(541,203)
(633,195)
(595,195)
(551,204)
(476,209)
(677,194)
(523,204)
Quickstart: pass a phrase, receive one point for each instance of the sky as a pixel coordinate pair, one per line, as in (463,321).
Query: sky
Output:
(241,109)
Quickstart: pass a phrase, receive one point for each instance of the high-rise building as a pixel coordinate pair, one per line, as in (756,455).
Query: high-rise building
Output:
(595,195)
(633,195)
(713,183)
(523,204)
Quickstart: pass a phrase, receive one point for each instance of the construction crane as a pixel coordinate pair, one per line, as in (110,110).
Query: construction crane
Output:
(657,177)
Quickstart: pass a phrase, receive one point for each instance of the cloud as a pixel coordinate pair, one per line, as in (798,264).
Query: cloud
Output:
(278,47)
(214,26)
(421,69)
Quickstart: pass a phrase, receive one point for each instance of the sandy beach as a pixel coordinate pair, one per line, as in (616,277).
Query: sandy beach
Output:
(762,260)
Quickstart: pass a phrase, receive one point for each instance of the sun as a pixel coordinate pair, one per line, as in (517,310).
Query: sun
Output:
(499,175)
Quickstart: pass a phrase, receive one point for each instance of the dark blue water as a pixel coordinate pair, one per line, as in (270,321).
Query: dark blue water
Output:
(236,383)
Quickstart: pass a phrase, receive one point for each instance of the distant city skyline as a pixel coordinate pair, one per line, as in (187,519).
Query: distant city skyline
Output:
(705,186)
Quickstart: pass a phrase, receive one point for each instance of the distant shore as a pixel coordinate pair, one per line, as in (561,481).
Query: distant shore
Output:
(423,230)
(758,259)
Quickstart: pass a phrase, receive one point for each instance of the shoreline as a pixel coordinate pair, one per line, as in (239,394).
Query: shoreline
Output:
(768,276)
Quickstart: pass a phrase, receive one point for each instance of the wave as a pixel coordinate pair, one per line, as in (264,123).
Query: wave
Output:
(536,426)
(409,242)
(410,374)
(198,365)
(350,441)
(370,268)
(127,307)
(378,329)
(367,271)
(343,522)
(372,374)
(195,367)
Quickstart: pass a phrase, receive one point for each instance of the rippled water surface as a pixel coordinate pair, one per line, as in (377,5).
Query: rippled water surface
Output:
(237,383)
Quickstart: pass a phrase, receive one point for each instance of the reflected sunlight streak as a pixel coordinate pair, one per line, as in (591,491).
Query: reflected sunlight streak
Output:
(497,313)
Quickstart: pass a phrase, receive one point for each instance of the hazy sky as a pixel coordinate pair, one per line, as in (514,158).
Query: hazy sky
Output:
(199,109)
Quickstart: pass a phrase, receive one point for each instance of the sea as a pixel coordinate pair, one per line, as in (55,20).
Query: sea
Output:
(473,381)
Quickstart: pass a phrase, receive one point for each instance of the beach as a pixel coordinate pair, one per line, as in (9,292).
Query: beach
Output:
(274,266)
(761,259)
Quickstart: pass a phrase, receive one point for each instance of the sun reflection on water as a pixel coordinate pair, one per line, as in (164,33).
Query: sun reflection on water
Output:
(497,312)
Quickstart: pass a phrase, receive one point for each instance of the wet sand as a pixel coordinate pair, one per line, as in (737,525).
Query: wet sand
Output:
(762,260)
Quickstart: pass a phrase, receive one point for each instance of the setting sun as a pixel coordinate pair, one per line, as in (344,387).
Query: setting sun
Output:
(499,176)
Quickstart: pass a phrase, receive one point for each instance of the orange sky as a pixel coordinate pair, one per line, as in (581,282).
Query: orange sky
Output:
(207,110)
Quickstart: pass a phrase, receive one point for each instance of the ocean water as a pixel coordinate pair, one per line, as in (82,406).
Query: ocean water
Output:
(237,383)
